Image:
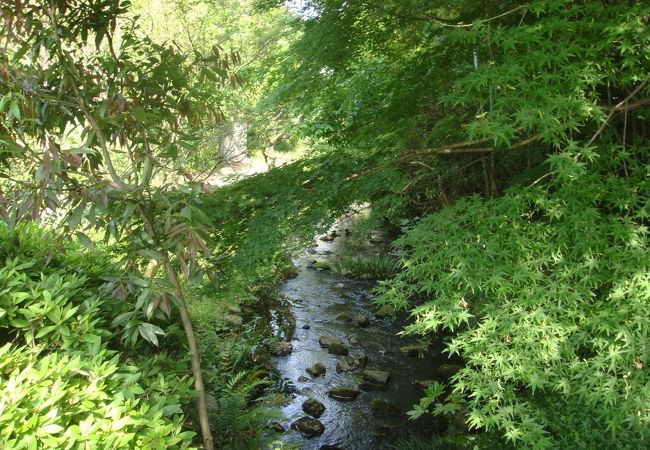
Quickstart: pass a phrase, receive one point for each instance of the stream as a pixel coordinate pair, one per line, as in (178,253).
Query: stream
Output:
(323,302)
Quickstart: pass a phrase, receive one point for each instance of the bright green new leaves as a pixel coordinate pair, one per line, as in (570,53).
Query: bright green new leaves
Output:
(547,292)
(58,400)
(417,73)
(62,385)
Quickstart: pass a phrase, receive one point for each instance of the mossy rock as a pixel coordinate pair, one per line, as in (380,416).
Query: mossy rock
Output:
(337,349)
(385,311)
(308,427)
(317,370)
(321,265)
(326,341)
(313,407)
(413,350)
(347,393)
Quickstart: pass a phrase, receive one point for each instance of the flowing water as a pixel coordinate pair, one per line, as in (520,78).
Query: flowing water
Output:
(317,298)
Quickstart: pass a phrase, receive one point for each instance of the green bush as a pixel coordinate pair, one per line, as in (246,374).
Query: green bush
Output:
(233,358)
(462,442)
(547,294)
(64,382)
(377,267)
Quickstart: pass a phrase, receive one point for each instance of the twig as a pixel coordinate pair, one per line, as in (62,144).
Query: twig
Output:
(619,107)
(457,148)
(442,22)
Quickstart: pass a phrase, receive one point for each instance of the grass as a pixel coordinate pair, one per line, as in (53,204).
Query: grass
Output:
(378,267)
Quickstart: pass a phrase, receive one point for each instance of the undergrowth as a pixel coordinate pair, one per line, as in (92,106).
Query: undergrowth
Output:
(375,267)
(461,442)
(66,379)
(547,293)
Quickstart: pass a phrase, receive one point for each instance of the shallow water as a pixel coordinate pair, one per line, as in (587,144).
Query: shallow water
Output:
(317,298)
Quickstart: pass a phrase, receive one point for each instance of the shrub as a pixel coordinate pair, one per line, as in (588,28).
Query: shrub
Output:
(377,267)
(547,292)
(63,381)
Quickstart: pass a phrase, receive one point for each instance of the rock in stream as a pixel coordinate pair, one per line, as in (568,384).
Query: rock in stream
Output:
(313,407)
(308,426)
(326,341)
(343,392)
(317,370)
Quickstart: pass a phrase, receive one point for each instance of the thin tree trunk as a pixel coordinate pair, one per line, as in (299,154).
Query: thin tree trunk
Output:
(493,176)
(486,180)
(194,356)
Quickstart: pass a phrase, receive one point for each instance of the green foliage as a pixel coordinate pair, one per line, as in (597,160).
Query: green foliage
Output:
(377,267)
(240,425)
(374,74)
(262,218)
(257,35)
(236,376)
(546,291)
(463,442)
(63,381)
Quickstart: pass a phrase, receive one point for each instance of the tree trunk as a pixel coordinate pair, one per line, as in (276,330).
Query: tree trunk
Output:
(195,359)
(194,356)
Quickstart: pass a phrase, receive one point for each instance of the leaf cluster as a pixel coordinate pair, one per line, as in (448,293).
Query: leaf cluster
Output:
(545,293)
(64,382)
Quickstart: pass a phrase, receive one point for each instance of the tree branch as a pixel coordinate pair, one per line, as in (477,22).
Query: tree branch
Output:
(82,104)
(621,106)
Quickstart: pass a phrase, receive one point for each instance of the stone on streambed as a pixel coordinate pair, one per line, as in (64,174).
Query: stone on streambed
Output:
(374,380)
(350,363)
(289,271)
(345,365)
(413,350)
(361,360)
(321,265)
(275,426)
(337,349)
(353,340)
(317,370)
(313,407)
(283,348)
(362,321)
(385,311)
(344,317)
(376,376)
(381,430)
(347,393)
(447,370)
(383,408)
(302,379)
(326,341)
(422,385)
(330,447)
(328,238)
(308,426)
(306,326)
